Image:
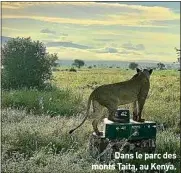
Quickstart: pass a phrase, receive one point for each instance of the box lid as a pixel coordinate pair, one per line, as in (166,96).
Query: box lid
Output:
(106,121)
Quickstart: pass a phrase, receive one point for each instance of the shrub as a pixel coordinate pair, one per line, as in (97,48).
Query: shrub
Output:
(26,64)
(73,70)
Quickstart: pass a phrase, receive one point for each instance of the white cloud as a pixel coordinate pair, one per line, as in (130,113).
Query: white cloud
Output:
(95,13)
(130,46)
(106,26)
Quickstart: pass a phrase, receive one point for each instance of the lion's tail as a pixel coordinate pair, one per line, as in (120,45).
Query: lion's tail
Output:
(87,114)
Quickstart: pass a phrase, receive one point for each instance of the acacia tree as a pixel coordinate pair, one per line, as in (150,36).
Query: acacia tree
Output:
(160,66)
(78,63)
(133,65)
(26,64)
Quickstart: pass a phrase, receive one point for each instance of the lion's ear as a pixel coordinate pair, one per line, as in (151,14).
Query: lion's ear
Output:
(150,71)
(138,70)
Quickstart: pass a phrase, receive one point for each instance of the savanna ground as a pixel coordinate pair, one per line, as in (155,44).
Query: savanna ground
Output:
(39,142)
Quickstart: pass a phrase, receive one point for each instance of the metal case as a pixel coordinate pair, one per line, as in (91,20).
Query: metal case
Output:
(132,131)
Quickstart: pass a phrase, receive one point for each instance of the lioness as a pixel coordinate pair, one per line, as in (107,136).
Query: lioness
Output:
(111,96)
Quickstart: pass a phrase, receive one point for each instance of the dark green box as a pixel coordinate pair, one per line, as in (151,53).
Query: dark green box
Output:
(132,130)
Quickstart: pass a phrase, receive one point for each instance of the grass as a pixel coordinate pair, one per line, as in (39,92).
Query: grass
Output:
(162,104)
(54,102)
(41,144)
(38,143)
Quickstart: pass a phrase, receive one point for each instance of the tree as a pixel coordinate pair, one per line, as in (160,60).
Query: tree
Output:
(78,63)
(178,54)
(26,64)
(160,66)
(133,65)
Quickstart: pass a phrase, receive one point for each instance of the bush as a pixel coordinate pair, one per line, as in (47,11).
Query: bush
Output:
(73,70)
(26,64)
(133,65)
(89,66)
(55,102)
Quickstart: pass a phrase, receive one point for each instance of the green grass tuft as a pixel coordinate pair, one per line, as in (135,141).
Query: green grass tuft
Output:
(55,102)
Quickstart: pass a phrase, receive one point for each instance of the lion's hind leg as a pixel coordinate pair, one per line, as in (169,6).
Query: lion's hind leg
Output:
(98,116)
(95,126)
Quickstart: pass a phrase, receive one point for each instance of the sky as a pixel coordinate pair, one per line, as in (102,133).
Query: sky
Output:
(121,31)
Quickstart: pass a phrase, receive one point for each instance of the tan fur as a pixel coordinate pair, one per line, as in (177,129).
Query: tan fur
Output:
(111,96)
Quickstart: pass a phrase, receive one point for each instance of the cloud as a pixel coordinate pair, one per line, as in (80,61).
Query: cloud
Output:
(104,39)
(89,54)
(130,46)
(91,13)
(111,50)
(16,5)
(129,49)
(89,5)
(158,53)
(130,52)
(86,22)
(106,50)
(10,29)
(166,22)
(124,52)
(67,44)
(100,24)
(48,31)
